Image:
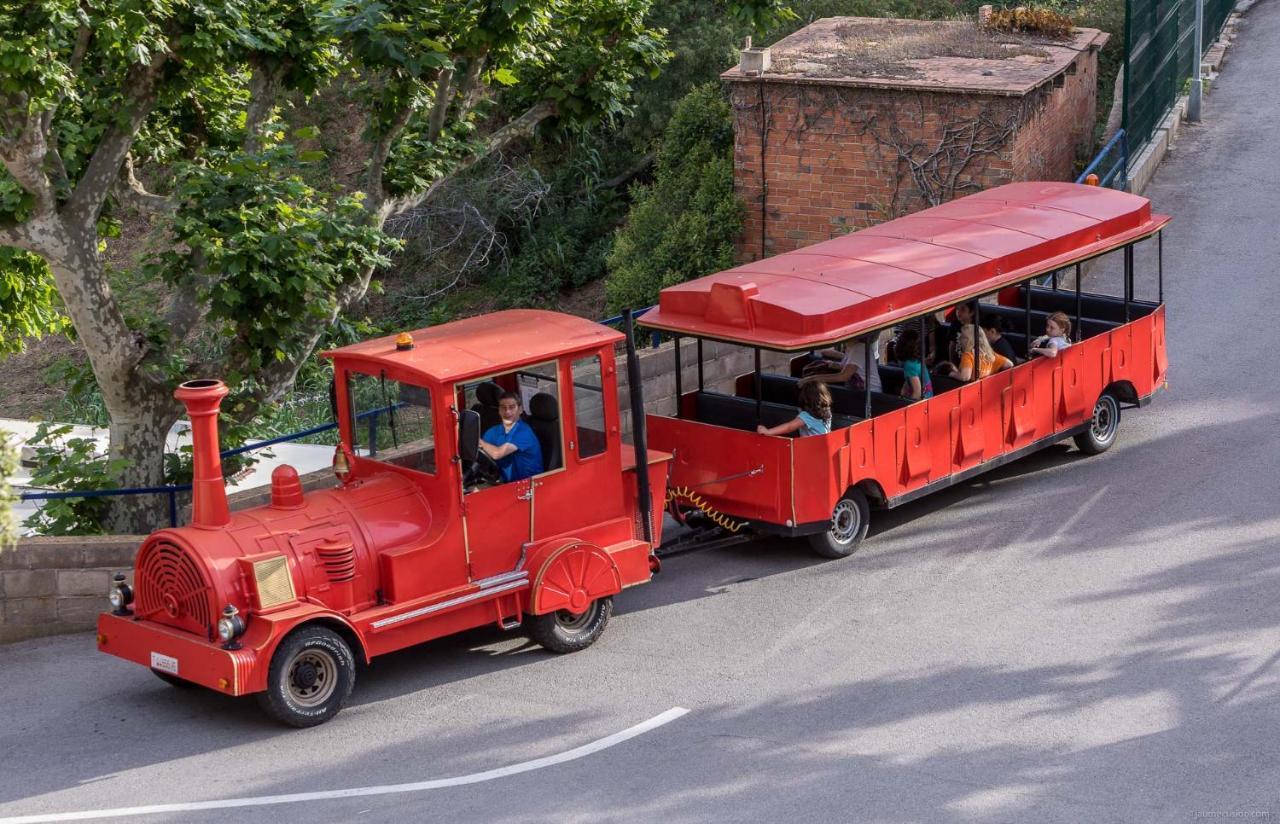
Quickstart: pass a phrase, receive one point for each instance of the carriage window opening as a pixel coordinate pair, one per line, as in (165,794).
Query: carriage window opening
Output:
(392,421)
(588,406)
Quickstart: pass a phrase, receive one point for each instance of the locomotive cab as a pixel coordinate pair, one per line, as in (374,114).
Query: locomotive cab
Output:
(423,536)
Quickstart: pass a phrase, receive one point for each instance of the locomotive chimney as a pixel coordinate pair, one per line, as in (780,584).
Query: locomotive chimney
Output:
(208,492)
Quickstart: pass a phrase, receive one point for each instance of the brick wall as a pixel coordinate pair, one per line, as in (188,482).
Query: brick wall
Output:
(837,158)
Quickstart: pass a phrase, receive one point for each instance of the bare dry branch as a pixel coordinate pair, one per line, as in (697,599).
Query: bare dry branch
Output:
(130,192)
(520,128)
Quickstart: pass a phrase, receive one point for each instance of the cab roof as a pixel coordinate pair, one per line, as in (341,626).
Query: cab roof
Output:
(482,345)
(868,279)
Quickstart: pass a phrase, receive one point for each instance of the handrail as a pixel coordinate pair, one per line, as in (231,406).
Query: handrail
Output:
(1119,168)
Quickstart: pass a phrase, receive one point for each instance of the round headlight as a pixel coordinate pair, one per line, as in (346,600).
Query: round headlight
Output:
(226,629)
(116,598)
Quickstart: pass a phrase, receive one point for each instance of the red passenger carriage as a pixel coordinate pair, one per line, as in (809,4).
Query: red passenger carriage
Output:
(885,450)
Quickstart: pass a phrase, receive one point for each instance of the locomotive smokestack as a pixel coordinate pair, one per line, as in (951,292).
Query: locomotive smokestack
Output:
(208,492)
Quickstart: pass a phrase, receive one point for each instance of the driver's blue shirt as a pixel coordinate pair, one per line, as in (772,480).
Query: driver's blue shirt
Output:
(526,461)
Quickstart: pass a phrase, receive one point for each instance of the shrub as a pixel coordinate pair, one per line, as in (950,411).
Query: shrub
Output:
(1031,20)
(8,466)
(685,223)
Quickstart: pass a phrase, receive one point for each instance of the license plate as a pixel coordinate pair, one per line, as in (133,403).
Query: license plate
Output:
(164,663)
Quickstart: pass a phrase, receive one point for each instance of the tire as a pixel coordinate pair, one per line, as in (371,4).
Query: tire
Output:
(173,680)
(563,631)
(849,521)
(1103,426)
(311,676)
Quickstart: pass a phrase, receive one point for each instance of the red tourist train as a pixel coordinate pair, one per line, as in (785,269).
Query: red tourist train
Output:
(421,538)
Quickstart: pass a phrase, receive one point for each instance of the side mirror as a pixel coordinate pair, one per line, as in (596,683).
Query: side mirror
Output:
(469,435)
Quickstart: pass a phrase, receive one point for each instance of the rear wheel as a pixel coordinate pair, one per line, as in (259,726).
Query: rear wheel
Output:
(1103,426)
(311,676)
(563,631)
(849,522)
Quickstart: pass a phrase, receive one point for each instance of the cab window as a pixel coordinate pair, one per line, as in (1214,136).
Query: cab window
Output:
(392,421)
(588,406)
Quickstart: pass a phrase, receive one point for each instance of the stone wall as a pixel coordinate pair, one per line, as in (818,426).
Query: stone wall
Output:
(54,585)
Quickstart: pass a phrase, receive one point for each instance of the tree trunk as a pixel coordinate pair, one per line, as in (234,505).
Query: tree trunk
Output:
(139,439)
(141,410)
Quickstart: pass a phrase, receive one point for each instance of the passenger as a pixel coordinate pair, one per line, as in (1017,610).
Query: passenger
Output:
(945,337)
(916,383)
(814,417)
(1057,336)
(993,328)
(988,361)
(845,367)
(512,443)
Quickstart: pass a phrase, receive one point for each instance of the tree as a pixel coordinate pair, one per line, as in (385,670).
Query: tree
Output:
(684,225)
(187,113)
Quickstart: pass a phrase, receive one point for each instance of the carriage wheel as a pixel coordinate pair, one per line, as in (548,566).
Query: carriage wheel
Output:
(1103,426)
(849,521)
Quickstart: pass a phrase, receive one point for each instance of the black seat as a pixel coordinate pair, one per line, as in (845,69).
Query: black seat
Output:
(544,418)
(486,405)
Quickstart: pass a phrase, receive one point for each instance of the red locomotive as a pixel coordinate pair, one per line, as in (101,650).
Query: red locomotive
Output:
(422,538)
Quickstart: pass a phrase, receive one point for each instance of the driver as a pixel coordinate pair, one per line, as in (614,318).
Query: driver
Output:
(511,443)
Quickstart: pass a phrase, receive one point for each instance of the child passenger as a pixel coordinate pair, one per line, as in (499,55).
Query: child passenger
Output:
(988,362)
(994,330)
(815,413)
(916,383)
(1057,336)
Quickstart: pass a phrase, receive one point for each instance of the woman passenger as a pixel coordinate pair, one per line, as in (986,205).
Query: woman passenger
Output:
(988,361)
(815,413)
(916,383)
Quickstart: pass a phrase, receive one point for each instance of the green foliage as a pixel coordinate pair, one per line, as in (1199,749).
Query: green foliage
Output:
(70,463)
(28,300)
(684,225)
(8,467)
(282,249)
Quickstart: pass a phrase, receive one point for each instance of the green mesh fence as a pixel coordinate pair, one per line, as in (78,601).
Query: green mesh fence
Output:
(1159,58)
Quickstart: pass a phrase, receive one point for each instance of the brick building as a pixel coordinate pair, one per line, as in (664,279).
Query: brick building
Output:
(852,121)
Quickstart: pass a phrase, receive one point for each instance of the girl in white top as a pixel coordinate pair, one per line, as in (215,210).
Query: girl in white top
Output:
(840,367)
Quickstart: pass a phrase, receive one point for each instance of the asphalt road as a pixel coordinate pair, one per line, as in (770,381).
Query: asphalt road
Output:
(1068,640)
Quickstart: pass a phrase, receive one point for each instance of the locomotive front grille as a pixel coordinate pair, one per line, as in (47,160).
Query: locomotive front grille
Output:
(275,584)
(172,589)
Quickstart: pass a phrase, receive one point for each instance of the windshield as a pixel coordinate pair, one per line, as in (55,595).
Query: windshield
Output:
(392,421)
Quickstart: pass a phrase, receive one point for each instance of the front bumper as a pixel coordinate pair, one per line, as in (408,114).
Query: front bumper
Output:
(181,654)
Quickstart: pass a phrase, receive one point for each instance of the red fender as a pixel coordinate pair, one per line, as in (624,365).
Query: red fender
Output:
(570,575)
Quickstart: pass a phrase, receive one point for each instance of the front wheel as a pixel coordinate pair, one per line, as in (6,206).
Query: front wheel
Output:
(1103,426)
(849,521)
(312,673)
(563,631)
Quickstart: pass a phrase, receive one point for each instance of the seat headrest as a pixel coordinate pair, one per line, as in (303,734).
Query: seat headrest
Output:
(544,407)
(488,393)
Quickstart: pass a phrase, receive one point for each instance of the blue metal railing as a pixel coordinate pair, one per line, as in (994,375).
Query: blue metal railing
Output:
(172,490)
(654,337)
(1118,172)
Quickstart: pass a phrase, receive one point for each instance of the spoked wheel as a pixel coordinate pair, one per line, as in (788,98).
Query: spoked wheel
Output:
(312,674)
(564,631)
(849,522)
(1103,426)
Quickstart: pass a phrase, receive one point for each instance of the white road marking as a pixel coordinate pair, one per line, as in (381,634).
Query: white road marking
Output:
(357,792)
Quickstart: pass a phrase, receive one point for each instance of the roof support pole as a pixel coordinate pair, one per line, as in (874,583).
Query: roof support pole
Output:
(1055,280)
(1079,326)
(759,396)
(1027,293)
(938,356)
(977,330)
(1128,279)
(1160,263)
(866,374)
(700,364)
(679,371)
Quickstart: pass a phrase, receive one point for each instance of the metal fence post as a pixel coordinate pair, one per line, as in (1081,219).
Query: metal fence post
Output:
(1197,84)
